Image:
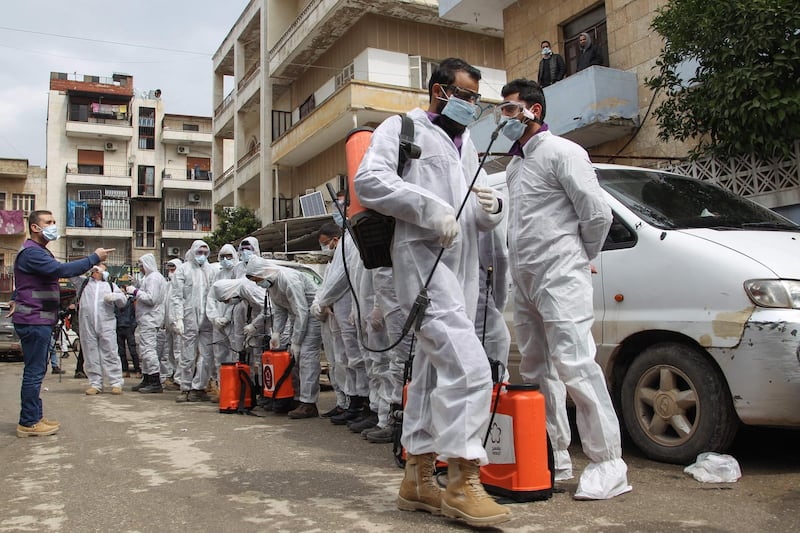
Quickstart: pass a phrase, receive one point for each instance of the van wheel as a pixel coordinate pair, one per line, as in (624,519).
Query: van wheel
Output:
(676,404)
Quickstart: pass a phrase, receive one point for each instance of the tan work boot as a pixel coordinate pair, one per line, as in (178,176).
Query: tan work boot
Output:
(466,499)
(419,490)
(36,430)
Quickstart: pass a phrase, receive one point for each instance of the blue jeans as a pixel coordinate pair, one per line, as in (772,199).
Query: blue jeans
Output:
(35,342)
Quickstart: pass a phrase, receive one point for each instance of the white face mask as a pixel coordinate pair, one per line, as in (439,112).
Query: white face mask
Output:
(225,263)
(246,255)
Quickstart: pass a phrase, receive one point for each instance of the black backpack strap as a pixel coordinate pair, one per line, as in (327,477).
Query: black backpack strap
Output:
(286,374)
(80,291)
(246,384)
(408,150)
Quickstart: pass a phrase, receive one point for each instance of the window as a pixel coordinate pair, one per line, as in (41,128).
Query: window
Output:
(593,23)
(147,181)
(2,201)
(191,127)
(23,202)
(345,75)
(90,162)
(79,112)
(281,122)
(419,71)
(307,106)
(198,168)
(147,128)
(145,231)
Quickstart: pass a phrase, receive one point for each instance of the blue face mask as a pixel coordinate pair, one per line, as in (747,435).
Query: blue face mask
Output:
(459,110)
(514,129)
(265,283)
(50,232)
(246,255)
(225,263)
(201,259)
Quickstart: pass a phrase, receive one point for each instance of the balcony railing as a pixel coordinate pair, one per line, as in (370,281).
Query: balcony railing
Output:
(109,171)
(249,156)
(225,102)
(178,173)
(249,75)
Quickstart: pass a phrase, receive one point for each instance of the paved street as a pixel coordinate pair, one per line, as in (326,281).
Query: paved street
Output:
(145,463)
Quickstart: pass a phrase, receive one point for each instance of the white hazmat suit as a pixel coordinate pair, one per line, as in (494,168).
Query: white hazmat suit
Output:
(150,299)
(291,293)
(220,313)
(558,221)
(188,307)
(98,330)
(450,391)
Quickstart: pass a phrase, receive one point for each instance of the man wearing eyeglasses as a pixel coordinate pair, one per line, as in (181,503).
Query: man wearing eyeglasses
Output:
(558,221)
(447,411)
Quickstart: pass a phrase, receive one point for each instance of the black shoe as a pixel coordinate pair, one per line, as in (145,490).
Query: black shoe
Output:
(153,387)
(381,435)
(333,412)
(369,421)
(79,375)
(144,383)
(347,416)
(196,396)
(57,370)
(283,406)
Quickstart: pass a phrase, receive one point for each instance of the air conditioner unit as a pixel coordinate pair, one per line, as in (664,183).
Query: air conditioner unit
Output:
(183,149)
(110,147)
(174,250)
(194,197)
(78,244)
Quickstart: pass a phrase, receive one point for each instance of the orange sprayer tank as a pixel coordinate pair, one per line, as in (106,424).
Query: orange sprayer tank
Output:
(519,461)
(233,377)
(355,147)
(277,367)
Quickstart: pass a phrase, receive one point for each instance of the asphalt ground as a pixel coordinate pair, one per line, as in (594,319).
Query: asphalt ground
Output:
(141,463)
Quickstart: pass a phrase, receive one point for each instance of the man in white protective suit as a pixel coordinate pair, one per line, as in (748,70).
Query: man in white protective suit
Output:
(329,236)
(169,343)
(243,314)
(150,298)
(447,411)
(291,293)
(220,314)
(188,307)
(96,297)
(558,221)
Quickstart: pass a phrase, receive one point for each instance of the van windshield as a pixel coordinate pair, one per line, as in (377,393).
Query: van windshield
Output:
(670,201)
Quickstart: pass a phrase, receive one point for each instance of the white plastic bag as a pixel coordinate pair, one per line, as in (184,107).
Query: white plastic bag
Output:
(713,467)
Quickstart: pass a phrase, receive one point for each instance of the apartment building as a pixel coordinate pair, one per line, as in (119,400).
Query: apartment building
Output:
(605,109)
(23,188)
(291,79)
(122,173)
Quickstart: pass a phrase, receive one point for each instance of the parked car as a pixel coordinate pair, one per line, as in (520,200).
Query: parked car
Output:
(10,348)
(697,312)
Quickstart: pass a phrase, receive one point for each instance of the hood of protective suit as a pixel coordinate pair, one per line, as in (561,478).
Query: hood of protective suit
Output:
(225,289)
(262,268)
(177,262)
(588,40)
(228,249)
(148,263)
(196,245)
(254,243)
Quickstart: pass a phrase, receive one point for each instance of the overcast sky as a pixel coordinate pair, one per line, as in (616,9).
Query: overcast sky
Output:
(77,36)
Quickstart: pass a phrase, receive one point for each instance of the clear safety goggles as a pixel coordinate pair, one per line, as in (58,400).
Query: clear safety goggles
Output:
(463,94)
(509,110)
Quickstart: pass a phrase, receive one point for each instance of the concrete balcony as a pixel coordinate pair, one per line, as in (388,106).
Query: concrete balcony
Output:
(187,138)
(355,104)
(112,130)
(178,178)
(116,175)
(189,235)
(98,233)
(593,106)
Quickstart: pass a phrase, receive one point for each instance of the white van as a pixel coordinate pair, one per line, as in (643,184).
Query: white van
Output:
(697,312)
